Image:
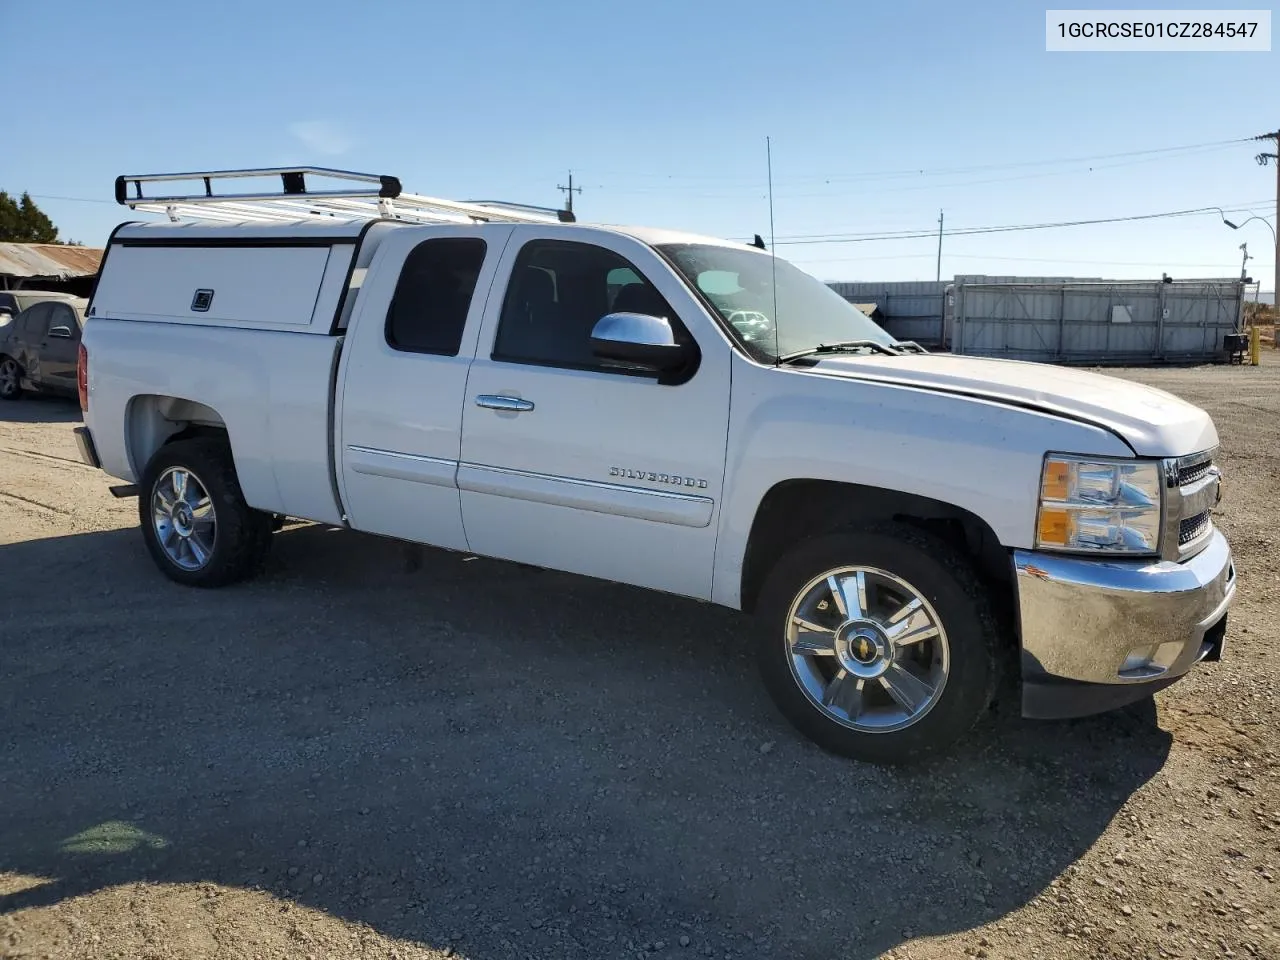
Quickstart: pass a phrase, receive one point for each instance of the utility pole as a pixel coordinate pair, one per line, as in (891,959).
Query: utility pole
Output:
(1264,159)
(938,275)
(568,191)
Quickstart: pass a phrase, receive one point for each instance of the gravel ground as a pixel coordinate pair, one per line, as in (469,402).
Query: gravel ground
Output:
(372,754)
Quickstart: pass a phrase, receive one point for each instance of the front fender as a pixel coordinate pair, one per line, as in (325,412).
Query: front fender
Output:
(979,455)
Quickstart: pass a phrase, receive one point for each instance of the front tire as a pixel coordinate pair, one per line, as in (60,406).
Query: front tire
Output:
(878,644)
(197,526)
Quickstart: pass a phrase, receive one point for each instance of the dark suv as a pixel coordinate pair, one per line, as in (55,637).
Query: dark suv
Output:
(40,346)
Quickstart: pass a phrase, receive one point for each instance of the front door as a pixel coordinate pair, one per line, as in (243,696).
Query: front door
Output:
(574,465)
(60,349)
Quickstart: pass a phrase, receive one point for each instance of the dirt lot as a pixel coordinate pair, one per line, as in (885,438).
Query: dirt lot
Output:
(360,756)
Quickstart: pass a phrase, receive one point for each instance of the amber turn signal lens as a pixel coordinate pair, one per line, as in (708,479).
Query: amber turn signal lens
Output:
(1057,480)
(1055,527)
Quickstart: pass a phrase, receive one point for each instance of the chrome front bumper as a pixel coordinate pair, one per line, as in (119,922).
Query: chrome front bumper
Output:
(1097,634)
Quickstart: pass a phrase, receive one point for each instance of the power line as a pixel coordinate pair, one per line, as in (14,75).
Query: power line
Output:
(51,196)
(1201,147)
(873,187)
(942,171)
(1014,259)
(871,184)
(1005,228)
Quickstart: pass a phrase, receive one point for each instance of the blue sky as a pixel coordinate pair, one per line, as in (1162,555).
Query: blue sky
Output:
(661,109)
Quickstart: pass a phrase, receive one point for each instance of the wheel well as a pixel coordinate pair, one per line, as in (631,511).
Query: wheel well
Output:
(154,421)
(796,509)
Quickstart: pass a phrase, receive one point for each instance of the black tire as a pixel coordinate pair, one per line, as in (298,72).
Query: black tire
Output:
(943,577)
(10,387)
(241,535)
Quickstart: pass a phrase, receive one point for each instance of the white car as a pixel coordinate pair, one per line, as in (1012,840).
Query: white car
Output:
(672,411)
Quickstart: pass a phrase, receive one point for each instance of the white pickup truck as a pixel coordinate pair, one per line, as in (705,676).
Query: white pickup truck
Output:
(654,408)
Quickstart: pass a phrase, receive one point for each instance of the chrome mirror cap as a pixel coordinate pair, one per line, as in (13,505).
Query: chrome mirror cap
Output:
(637,329)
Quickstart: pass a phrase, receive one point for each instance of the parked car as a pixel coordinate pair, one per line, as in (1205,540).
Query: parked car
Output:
(38,348)
(671,411)
(13,302)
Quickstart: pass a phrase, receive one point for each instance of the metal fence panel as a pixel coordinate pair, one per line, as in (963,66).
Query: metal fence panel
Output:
(1060,320)
(1096,322)
(912,310)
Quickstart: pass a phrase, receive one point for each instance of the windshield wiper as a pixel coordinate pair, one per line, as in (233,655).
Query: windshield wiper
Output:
(842,346)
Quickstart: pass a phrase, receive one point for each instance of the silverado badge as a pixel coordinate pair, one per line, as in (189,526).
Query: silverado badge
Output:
(653,477)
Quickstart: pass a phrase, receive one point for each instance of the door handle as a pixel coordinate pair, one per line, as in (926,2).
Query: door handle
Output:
(514,404)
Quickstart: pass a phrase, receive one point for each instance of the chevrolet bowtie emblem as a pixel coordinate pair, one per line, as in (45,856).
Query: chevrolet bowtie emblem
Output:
(864,649)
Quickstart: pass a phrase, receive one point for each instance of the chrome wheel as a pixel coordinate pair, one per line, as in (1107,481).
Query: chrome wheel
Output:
(184,518)
(867,649)
(10,377)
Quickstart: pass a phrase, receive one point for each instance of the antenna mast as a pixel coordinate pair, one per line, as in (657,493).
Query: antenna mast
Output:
(773,253)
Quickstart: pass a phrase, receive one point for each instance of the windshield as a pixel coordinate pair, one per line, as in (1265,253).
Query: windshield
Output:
(740,285)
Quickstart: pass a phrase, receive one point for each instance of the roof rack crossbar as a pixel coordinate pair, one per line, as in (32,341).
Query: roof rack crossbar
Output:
(565,216)
(295,201)
(292,182)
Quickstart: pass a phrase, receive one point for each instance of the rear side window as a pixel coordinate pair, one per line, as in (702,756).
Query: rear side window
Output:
(433,295)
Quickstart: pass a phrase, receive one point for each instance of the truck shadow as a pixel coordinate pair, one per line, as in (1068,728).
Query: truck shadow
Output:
(472,753)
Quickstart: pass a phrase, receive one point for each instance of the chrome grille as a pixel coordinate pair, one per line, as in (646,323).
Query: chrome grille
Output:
(1192,527)
(1192,492)
(1190,472)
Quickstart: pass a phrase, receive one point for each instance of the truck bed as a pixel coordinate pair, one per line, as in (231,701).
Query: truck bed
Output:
(245,328)
(262,384)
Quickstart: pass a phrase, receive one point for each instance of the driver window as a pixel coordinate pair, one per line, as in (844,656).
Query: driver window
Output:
(558,291)
(35,321)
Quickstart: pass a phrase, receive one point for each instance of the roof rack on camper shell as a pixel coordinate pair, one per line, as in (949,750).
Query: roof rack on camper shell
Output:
(382,199)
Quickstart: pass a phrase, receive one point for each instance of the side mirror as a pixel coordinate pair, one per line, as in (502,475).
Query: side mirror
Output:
(61,332)
(639,339)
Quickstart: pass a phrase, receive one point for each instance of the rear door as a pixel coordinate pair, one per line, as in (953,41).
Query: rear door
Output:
(60,348)
(30,330)
(402,379)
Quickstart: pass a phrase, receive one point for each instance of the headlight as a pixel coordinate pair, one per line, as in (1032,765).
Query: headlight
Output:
(1098,504)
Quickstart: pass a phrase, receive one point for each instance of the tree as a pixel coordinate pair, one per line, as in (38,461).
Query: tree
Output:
(24,222)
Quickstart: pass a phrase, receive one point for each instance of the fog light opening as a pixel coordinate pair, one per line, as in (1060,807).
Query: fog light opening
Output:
(1142,662)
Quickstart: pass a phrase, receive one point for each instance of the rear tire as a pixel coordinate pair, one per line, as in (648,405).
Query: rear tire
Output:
(10,379)
(900,664)
(197,526)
